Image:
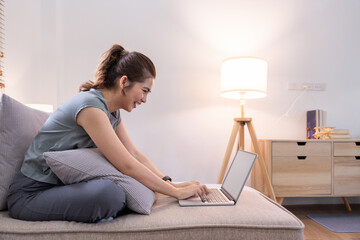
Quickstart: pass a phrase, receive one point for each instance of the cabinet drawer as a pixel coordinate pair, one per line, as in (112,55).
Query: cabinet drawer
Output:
(301,148)
(296,177)
(346,149)
(346,176)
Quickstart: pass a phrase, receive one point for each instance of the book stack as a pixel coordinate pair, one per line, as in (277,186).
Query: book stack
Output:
(340,134)
(314,118)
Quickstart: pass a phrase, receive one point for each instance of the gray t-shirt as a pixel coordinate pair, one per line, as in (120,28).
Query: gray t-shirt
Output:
(61,132)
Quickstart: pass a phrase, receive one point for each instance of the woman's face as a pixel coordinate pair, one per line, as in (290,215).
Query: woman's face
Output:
(137,94)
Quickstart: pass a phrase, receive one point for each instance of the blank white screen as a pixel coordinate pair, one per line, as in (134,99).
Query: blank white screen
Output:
(238,173)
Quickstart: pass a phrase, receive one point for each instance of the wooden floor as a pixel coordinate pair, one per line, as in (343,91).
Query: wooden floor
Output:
(315,231)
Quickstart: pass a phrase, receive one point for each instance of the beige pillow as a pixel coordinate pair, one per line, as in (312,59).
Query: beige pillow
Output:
(18,126)
(78,165)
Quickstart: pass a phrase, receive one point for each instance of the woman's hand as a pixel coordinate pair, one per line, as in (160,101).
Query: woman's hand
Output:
(190,189)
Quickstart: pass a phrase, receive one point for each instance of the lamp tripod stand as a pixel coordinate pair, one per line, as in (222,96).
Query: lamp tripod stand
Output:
(239,124)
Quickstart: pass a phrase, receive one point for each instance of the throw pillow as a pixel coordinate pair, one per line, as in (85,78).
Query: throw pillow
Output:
(18,126)
(73,166)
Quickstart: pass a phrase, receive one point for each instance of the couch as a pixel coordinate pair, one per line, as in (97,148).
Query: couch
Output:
(255,216)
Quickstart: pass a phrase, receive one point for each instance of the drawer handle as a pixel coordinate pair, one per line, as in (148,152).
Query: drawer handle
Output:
(357,143)
(301,143)
(301,157)
(357,157)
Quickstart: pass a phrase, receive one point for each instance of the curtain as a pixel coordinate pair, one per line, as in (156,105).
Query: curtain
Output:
(2,40)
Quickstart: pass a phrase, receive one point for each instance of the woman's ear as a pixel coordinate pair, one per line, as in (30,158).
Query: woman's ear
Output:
(124,82)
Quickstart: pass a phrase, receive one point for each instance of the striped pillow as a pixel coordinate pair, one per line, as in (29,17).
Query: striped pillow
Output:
(73,166)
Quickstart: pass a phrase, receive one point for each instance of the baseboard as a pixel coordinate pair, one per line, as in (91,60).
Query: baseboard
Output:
(322,207)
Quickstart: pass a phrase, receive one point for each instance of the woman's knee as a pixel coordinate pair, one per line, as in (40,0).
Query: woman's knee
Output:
(110,194)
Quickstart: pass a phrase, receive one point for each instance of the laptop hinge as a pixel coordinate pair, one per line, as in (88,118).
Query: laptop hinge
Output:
(227,194)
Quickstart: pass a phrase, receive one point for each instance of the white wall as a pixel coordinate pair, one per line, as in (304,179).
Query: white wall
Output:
(53,45)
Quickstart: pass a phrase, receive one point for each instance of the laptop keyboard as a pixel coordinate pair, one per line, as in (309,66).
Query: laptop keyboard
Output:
(214,196)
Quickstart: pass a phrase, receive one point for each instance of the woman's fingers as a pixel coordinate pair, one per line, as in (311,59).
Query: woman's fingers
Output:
(206,190)
(192,189)
(203,191)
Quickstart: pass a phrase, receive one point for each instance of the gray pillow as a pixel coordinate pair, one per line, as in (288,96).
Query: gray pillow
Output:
(73,166)
(18,126)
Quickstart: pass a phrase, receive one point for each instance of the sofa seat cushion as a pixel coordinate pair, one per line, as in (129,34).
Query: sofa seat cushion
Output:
(253,217)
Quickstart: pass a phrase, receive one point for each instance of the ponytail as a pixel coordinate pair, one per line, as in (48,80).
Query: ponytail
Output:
(117,62)
(86,86)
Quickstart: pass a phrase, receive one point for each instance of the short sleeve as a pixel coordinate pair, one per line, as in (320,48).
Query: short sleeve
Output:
(86,101)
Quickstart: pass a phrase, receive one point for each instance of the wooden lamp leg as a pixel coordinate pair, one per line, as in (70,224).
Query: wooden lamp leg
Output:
(228,151)
(242,136)
(280,200)
(347,205)
(240,123)
(261,161)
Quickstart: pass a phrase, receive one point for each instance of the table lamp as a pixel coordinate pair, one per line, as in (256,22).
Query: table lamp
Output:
(244,78)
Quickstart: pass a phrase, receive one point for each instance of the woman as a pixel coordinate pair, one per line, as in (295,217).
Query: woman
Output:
(92,119)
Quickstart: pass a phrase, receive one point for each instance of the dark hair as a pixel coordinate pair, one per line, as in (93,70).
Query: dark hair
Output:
(117,62)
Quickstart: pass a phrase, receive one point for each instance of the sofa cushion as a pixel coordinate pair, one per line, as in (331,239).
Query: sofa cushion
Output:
(253,217)
(19,125)
(78,165)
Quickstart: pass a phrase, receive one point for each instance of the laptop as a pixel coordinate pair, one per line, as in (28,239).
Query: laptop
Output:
(229,191)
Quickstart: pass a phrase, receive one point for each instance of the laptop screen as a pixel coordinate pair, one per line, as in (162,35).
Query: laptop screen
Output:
(238,173)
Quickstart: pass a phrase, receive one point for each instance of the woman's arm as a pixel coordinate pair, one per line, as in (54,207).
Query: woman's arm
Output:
(97,125)
(134,151)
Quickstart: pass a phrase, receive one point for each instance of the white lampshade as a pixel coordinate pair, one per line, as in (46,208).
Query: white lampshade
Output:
(244,78)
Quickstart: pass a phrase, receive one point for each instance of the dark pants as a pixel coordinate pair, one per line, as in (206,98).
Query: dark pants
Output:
(88,201)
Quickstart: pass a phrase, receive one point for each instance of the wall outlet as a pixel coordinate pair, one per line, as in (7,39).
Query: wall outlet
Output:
(315,86)
(306,86)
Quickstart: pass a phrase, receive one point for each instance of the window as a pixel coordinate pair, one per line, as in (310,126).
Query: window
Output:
(2,40)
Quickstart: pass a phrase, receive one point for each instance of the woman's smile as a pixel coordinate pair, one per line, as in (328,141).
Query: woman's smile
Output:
(136,103)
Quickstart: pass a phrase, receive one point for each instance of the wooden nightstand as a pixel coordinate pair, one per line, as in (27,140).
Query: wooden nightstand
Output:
(310,168)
